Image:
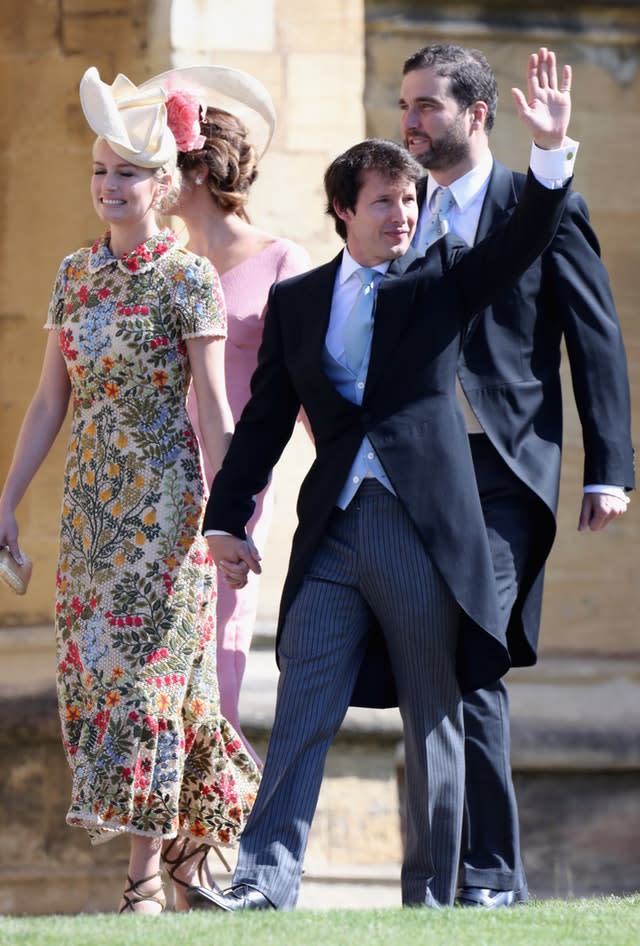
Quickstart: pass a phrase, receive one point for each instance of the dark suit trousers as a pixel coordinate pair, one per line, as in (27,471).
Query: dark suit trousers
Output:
(370,562)
(491,837)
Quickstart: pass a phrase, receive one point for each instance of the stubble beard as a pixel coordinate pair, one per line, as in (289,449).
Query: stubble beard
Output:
(445,153)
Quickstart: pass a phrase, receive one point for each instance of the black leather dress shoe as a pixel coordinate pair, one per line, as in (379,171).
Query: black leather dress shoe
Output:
(485,898)
(240,897)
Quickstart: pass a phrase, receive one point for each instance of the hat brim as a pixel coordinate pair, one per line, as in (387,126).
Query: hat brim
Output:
(132,121)
(229,89)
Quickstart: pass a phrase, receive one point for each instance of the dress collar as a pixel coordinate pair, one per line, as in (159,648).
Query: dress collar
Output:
(140,260)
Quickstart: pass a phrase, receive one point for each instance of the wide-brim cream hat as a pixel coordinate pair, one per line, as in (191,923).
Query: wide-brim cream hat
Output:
(132,120)
(229,89)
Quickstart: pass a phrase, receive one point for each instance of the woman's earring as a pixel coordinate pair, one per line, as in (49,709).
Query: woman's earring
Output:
(198,180)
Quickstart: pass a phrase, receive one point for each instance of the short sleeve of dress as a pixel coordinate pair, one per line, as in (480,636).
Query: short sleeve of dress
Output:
(55,312)
(201,306)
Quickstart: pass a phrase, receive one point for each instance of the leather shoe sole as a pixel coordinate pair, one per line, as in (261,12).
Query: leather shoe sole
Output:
(241,897)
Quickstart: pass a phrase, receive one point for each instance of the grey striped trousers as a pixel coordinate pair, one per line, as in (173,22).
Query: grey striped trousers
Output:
(370,561)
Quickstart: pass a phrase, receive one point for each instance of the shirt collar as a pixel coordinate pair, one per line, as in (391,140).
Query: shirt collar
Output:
(466,188)
(140,260)
(348,266)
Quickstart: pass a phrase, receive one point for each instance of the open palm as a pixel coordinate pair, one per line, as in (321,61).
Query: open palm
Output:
(547,108)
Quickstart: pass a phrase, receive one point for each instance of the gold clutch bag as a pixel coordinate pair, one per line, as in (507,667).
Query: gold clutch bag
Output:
(16,576)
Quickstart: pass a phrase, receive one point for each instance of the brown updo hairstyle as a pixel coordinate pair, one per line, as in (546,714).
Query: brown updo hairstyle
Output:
(230,160)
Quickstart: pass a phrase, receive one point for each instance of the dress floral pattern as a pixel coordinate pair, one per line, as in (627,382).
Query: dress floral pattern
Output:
(135,599)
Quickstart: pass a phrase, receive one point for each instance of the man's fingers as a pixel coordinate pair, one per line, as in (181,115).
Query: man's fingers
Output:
(549,69)
(533,85)
(245,562)
(521,102)
(598,509)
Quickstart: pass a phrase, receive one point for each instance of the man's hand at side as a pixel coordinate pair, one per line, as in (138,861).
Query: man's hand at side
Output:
(598,509)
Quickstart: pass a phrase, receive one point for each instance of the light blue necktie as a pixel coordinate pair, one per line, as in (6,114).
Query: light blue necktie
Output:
(442,200)
(359,322)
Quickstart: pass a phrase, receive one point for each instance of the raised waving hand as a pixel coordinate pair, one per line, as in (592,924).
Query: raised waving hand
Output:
(547,107)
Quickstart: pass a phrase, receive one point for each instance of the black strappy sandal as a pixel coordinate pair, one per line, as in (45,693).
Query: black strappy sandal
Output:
(132,895)
(184,854)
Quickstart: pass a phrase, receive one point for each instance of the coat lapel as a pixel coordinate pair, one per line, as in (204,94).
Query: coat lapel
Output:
(421,190)
(313,317)
(498,202)
(392,313)
(312,323)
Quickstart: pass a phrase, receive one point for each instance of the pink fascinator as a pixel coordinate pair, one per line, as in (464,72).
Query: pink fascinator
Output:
(184,113)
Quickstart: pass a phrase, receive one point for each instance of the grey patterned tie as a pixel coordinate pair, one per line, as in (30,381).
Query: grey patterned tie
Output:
(359,322)
(442,201)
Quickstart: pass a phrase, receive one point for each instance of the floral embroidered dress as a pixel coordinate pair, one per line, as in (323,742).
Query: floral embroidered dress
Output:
(135,617)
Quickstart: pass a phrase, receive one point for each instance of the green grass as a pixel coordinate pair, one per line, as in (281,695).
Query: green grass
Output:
(610,921)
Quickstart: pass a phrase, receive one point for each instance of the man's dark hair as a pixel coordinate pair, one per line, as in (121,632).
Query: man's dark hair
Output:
(470,76)
(343,178)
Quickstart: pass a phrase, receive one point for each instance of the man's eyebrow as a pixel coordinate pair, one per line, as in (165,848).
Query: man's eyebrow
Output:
(418,99)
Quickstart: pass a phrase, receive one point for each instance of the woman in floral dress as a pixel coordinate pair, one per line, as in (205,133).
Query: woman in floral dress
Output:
(133,319)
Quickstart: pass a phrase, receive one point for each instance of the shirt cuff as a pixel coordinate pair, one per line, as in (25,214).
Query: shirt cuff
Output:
(617,491)
(215,532)
(554,168)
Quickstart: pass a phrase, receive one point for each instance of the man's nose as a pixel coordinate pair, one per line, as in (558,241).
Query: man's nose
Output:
(409,119)
(399,213)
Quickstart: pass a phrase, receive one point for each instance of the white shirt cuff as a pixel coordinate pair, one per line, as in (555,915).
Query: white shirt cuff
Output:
(215,532)
(617,491)
(553,168)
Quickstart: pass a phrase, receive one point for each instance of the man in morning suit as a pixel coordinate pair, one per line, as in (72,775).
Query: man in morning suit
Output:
(390,543)
(509,386)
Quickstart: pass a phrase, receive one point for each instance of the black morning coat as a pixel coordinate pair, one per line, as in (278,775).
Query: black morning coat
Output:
(409,412)
(509,368)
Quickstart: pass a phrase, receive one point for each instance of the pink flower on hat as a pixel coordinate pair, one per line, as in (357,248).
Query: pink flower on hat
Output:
(183,118)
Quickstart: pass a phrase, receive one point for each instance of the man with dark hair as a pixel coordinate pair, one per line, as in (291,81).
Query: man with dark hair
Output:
(390,543)
(509,388)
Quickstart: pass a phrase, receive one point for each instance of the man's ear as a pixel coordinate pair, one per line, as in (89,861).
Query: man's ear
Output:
(340,212)
(478,111)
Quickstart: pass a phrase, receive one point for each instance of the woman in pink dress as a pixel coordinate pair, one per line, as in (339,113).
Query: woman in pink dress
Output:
(223,120)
